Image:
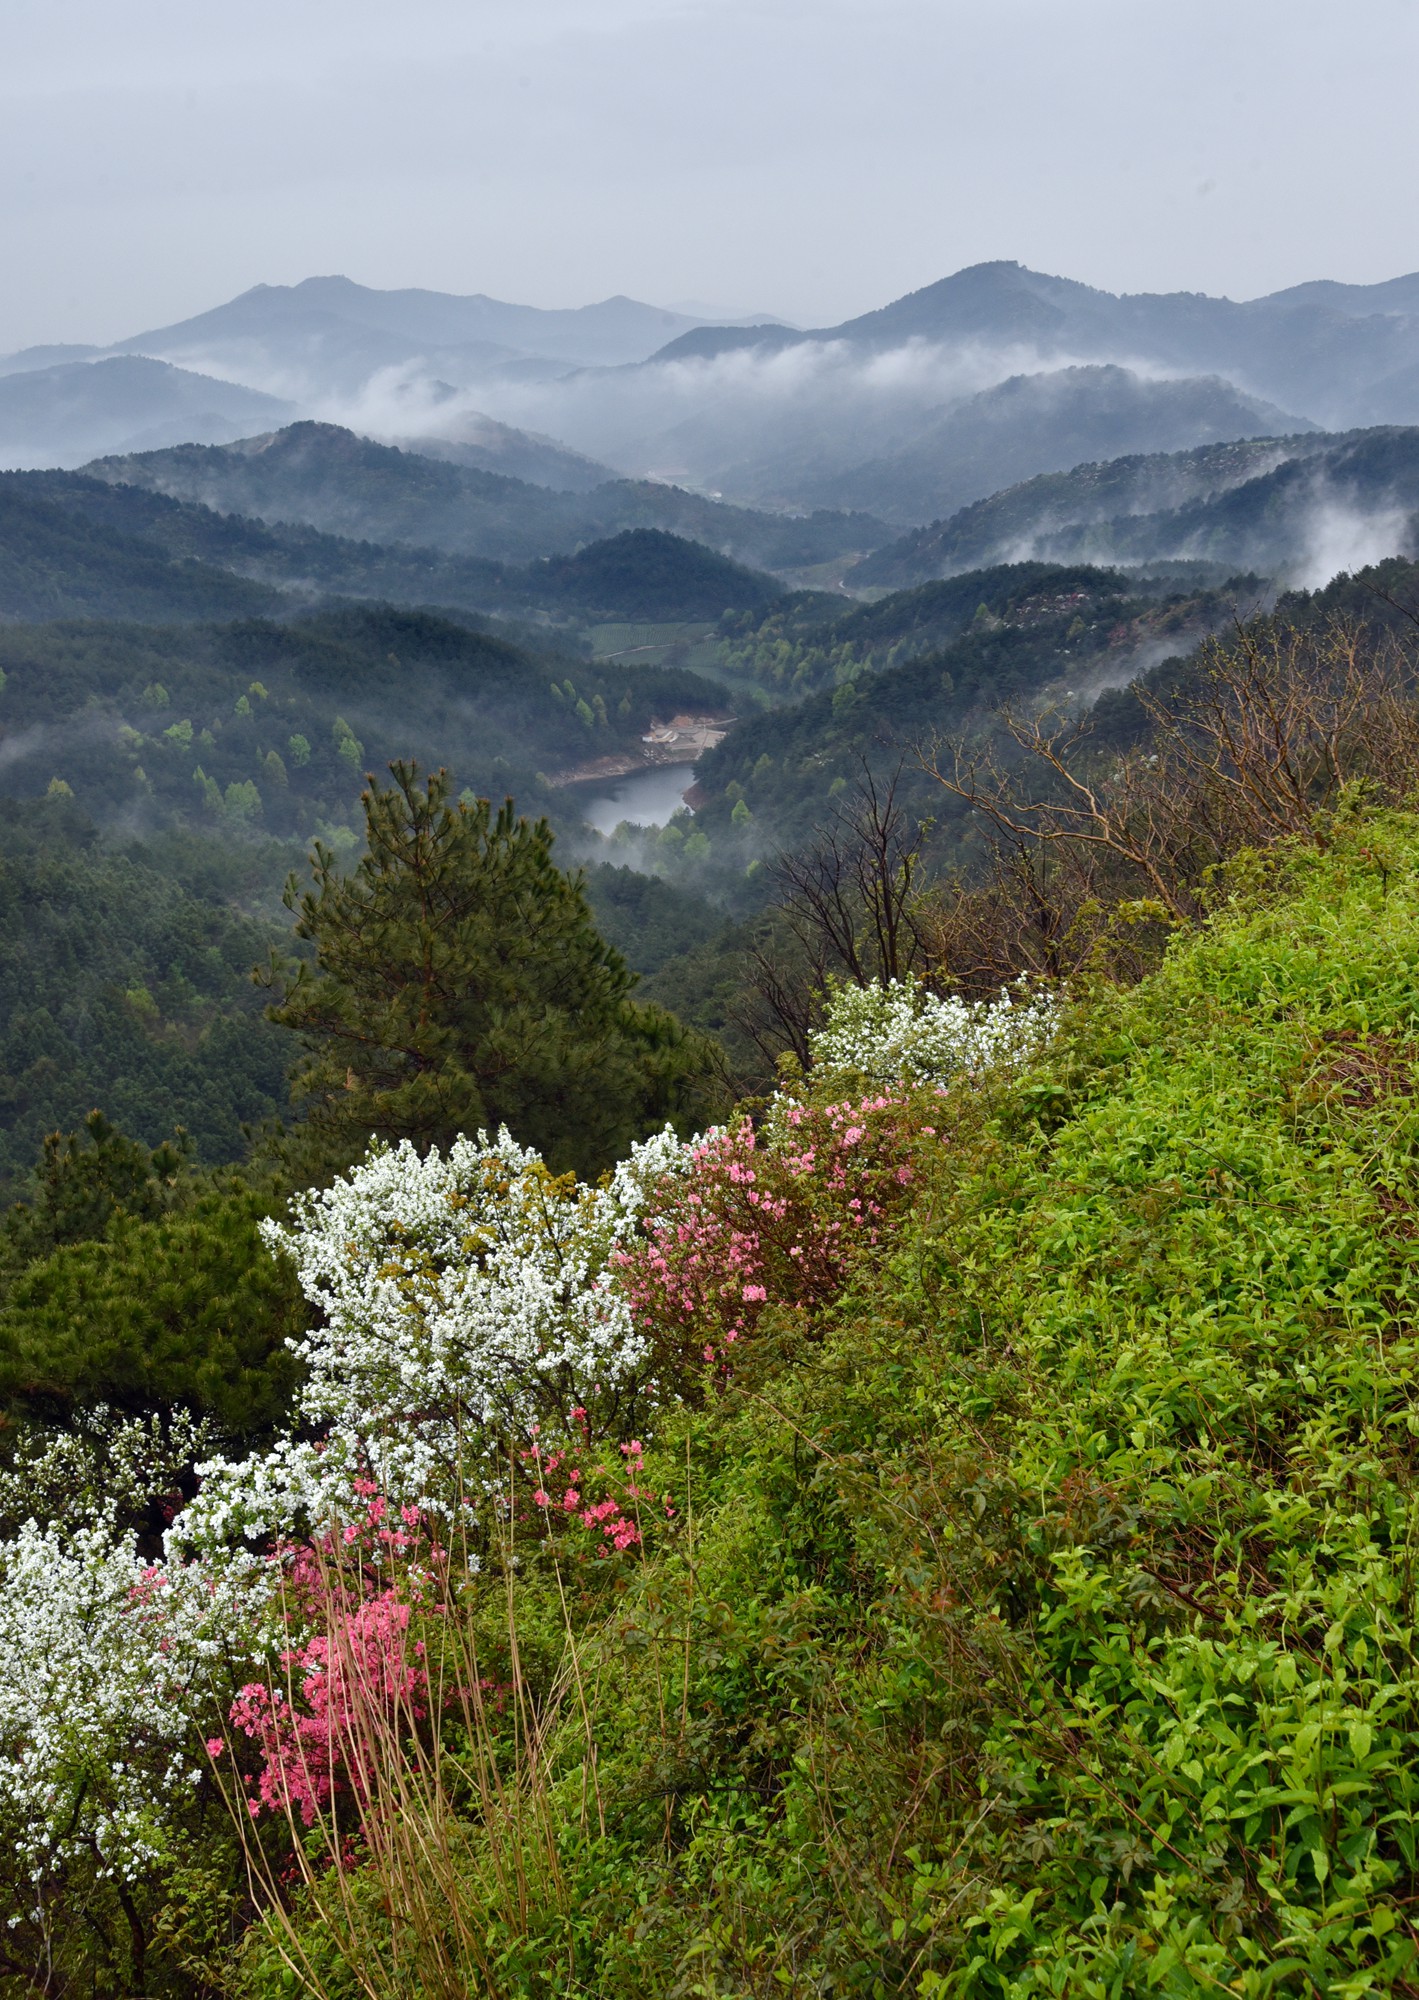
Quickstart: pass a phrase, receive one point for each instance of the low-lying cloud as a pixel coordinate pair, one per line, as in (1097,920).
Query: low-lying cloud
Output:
(1347,538)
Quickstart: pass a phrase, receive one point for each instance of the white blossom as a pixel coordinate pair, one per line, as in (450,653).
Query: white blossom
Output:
(108,1661)
(901,1033)
(462,1299)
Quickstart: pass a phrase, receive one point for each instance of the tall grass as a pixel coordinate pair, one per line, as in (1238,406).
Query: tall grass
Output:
(444,1816)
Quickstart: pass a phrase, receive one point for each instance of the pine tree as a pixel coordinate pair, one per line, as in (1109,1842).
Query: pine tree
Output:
(83,1179)
(179,1310)
(456,981)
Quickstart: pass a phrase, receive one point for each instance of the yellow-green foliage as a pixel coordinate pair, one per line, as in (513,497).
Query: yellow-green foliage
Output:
(1039,1621)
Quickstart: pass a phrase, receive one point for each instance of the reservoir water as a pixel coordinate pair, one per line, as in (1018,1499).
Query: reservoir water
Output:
(645,798)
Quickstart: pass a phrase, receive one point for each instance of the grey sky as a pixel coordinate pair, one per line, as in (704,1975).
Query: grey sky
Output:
(807,157)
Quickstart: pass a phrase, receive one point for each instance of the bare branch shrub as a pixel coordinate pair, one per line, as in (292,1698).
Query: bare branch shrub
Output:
(847,908)
(1096,854)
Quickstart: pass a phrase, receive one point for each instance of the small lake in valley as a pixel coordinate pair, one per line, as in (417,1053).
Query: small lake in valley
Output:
(645,798)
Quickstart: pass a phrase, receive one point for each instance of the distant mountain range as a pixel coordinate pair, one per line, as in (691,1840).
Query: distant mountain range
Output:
(883,412)
(329,333)
(907,414)
(1342,354)
(307,346)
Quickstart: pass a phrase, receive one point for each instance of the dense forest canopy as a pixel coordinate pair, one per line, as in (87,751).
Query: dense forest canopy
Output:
(126,972)
(78,546)
(273,723)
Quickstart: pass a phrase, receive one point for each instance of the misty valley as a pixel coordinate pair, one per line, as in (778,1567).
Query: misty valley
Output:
(707,1079)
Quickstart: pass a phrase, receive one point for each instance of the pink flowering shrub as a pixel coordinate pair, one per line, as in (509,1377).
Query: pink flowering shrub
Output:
(357,1673)
(586,1490)
(769,1215)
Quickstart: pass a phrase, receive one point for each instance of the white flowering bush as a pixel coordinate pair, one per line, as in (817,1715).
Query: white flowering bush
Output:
(108,1663)
(106,1466)
(463,1299)
(902,1034)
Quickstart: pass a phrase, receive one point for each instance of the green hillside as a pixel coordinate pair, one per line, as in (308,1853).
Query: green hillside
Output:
(644,573)
(811,641)
(1015,1601)
(72,546)
(923,663)
(1048,1622)
(78,547)
(58,561)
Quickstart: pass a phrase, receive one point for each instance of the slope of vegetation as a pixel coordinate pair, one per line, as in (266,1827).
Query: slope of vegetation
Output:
(160,784)
(1032,1608)
(1018,1602)
(811,641)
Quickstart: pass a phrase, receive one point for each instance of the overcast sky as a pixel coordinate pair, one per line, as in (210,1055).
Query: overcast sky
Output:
(811,158)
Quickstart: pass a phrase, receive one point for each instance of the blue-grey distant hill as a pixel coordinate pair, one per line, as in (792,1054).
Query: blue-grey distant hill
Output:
(329,334)
(1339,354)
(999,373)
(1045,423)
(1275,505)
(62,414)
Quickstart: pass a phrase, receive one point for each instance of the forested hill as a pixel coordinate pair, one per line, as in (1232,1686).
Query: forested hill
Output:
(270,725)
(346,485)
(75,546)
(880,682)
(1260,503)
(63,555)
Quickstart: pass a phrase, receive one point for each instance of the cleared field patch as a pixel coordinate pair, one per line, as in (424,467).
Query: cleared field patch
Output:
(689,645)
